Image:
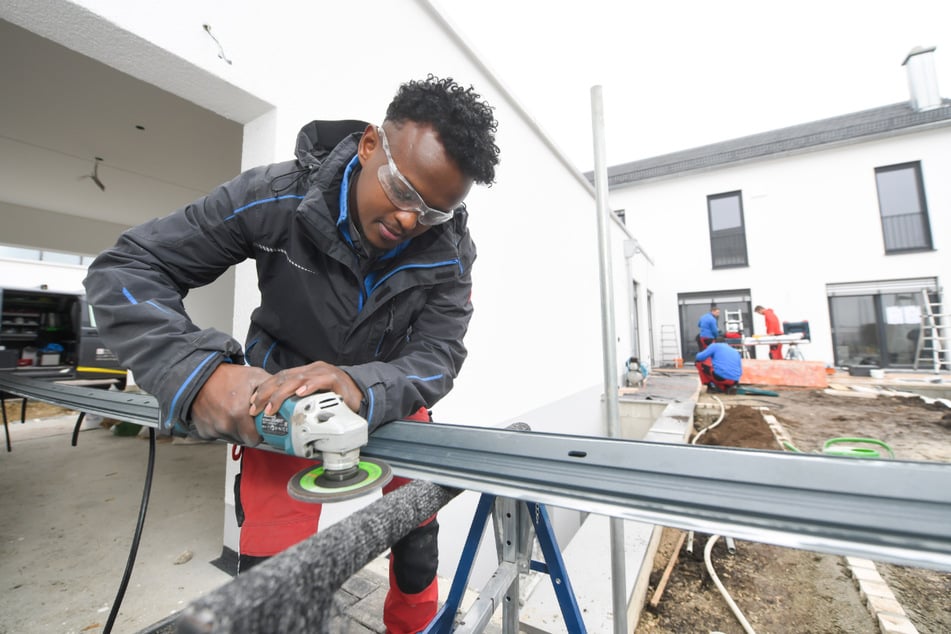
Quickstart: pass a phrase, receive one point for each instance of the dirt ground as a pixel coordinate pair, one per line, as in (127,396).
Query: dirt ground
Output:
(34,409)
(783,590)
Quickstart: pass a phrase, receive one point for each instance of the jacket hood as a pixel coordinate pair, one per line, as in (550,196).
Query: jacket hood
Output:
(316,139)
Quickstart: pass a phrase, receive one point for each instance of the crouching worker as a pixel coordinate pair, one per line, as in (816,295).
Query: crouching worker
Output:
(364,263)
(635,372)
(720,367)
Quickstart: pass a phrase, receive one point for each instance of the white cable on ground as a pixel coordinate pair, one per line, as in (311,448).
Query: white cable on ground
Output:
(693,441)
(726,595)
(714,424)
(713,539)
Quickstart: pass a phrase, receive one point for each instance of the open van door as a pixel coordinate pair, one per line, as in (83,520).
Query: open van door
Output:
(52,335)
(95,360)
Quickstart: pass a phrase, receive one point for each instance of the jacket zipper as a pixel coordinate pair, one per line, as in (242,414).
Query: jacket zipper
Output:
(389,328)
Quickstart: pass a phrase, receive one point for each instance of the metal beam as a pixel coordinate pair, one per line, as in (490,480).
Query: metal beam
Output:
(127,406)
(884,510)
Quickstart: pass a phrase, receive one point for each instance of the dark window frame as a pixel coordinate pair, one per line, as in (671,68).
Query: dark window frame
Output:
(921,217)
(722,254)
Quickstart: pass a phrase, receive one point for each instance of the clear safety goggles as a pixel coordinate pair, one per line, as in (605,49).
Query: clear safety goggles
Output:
(404,195)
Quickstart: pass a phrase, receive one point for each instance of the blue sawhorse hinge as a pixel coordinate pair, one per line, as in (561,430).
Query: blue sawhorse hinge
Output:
(513,522)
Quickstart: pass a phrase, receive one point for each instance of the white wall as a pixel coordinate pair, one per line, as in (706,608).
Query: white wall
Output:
(811,220)
(42,229)
(536,295)
(535,338)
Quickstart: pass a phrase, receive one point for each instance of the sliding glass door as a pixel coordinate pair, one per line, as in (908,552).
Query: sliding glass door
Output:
(877,328)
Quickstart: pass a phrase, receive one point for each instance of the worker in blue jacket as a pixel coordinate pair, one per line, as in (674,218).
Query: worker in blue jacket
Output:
(364,260)
(720,367)
(709,328)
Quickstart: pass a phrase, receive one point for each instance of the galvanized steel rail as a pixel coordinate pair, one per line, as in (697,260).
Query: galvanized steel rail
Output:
(127,406)
(884,510)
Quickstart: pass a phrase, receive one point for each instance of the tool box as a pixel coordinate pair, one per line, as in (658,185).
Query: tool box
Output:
(9,359)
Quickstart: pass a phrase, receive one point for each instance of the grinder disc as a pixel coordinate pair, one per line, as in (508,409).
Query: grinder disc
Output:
(316,485)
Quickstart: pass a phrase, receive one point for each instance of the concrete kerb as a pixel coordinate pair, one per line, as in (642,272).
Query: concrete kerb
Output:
(673,426)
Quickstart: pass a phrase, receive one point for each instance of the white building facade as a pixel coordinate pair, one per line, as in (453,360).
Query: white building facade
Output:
(842,223)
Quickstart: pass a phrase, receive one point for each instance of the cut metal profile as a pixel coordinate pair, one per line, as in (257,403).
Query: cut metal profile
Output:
(811,502)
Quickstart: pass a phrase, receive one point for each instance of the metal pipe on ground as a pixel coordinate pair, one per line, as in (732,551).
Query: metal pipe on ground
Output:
(293,591)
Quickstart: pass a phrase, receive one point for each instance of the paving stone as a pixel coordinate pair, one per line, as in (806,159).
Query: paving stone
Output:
(874,589)
(877,604)
(867,574)
(363,583)
(858,562)
(345,625)
(895,624)
(368,611)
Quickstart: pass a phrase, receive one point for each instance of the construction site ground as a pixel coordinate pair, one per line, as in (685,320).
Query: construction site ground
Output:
(783,590)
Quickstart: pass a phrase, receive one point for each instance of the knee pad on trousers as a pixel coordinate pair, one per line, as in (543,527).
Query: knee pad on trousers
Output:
(416,558)
(247,562)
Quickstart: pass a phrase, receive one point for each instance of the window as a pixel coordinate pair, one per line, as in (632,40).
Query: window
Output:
(879,322)
(727,233)
(61,258)
(901,200)
(18,253)
(58,257)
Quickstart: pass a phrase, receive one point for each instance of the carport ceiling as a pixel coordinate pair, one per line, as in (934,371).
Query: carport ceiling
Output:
(60,110)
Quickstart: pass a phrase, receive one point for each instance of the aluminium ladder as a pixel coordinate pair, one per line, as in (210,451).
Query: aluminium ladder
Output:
(669,350)
(933,339)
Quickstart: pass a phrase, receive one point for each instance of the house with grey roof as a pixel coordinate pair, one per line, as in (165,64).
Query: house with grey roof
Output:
(840,223)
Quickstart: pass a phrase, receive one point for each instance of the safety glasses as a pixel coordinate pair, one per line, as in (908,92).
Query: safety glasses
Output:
(404,195)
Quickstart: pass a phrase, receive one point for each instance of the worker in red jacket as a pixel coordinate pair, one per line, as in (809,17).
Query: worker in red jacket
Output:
(773,327)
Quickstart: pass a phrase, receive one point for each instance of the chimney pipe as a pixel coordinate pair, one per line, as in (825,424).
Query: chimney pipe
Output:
(922,80)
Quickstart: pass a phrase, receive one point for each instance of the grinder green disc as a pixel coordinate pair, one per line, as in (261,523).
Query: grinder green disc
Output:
(318,486)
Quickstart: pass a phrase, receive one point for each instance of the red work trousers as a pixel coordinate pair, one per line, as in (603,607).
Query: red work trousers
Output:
(273,521)
(776,351)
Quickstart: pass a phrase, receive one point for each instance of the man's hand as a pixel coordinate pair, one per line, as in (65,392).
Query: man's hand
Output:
(301,381)
(220,410)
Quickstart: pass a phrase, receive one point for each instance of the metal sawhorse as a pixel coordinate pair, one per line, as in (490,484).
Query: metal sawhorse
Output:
(4,396)
(513,522)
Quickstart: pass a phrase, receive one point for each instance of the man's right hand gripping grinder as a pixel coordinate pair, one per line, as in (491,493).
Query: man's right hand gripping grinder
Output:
(321,426)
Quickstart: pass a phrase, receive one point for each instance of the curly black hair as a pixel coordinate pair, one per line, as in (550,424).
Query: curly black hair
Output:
(464,122)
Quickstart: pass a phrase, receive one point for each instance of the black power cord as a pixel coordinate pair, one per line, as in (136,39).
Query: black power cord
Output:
(133,550)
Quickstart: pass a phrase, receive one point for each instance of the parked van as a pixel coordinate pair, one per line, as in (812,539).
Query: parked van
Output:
(52,335)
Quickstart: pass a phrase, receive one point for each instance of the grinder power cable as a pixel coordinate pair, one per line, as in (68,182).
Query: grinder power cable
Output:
(321,426)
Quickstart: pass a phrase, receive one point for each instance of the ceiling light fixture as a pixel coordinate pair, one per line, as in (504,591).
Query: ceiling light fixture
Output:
(95,174)
(221,50)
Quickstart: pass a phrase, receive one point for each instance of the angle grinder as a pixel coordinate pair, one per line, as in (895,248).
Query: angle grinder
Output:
(321,427)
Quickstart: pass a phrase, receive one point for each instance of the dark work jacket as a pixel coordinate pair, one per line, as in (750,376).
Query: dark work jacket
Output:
(395,325)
